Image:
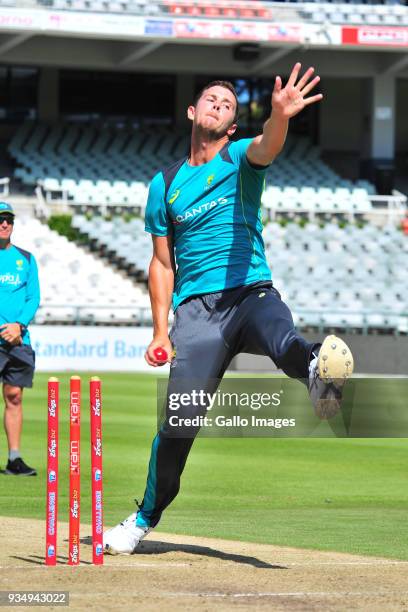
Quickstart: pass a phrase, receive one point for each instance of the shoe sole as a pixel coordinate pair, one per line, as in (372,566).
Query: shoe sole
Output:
(113,552)
(327,408)
(335,360)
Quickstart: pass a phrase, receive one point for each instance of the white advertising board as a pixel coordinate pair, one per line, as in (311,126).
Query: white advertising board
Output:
(76,348)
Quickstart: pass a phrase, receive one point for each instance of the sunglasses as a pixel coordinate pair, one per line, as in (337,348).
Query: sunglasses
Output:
(7,218)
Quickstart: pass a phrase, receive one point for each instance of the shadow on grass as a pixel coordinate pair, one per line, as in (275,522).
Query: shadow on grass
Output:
(157,548)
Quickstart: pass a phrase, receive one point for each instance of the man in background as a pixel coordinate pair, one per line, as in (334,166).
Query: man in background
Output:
(19,301)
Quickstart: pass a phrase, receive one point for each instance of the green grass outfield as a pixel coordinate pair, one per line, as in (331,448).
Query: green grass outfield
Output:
(347,495)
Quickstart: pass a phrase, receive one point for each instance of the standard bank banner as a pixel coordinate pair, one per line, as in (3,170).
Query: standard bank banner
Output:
(79,348)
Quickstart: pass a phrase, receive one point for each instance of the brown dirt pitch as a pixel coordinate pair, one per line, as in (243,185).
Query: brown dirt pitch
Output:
(173,572)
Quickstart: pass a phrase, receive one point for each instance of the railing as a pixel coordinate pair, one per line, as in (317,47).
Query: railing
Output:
(4,186)
(41,209)
(50,197)
(393,207)
(86,314)
(396,204)
(320,318)
(364,319)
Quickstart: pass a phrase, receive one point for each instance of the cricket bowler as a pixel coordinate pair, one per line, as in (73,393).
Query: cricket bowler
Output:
(204,214)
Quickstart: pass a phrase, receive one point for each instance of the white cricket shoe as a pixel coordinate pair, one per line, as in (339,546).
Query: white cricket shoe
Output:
(124,538)
(327,374)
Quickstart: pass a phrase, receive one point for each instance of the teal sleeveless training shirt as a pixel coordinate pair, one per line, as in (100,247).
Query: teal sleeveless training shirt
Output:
(213,212)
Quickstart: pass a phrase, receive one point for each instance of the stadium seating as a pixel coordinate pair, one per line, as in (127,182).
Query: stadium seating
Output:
(331,277)
(373,12)
(125,243)
(103,165)
(75,285)
(112,165)
(355,13)
(298,181)
(111,6)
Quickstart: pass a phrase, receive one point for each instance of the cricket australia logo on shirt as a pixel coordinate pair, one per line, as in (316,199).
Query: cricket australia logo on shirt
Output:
(174,196)
(209,181)
(199,210)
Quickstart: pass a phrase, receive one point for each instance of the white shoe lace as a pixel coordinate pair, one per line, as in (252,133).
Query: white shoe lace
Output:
(130,521)
(313,371)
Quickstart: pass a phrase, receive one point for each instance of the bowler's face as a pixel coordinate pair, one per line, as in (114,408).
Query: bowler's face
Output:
(215,110)
(6,226)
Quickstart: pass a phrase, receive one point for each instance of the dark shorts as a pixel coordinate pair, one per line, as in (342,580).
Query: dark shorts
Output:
(17,364)
(209,330)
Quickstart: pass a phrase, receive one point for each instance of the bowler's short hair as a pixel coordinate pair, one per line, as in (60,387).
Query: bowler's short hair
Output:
(227,85)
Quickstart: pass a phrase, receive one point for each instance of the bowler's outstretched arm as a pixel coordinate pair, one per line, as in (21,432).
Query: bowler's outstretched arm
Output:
(286,103)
